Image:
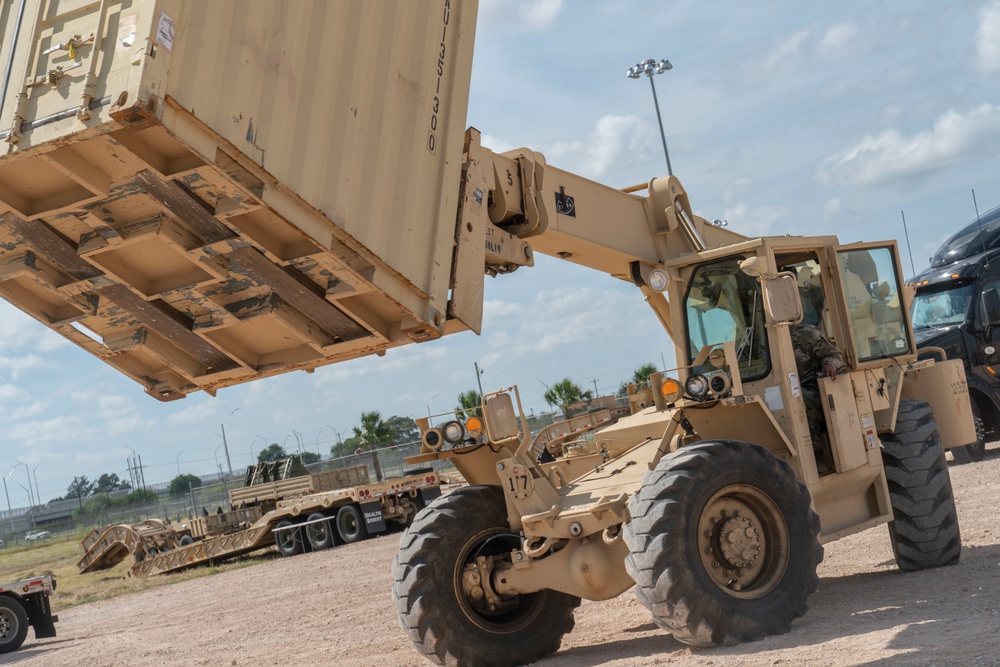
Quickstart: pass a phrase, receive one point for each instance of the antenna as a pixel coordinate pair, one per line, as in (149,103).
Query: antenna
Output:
(908,248)
(982,237)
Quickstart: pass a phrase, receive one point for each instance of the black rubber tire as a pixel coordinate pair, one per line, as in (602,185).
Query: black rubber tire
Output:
(186,540)
(689,517)
(351,525)
(434,611)
(925,531)
(320,535)
(975,452)
(13,624)
(289,542)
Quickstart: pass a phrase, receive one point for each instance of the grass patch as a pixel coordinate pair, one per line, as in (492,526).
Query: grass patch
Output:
(59,557)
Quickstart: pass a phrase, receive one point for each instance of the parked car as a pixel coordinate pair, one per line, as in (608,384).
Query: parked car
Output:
(35,535)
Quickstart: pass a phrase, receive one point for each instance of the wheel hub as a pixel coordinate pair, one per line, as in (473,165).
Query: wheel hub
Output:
(739,542)
(733,543)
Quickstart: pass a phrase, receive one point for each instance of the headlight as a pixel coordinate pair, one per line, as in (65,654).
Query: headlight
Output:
(720,384)
(474,426)
(696,386)
(657,280)
(671,390)
(432,439)
(453,432)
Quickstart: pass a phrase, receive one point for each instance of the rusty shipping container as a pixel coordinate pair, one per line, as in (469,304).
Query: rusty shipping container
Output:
(205,193)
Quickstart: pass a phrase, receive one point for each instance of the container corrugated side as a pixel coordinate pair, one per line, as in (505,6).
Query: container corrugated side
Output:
(241,188)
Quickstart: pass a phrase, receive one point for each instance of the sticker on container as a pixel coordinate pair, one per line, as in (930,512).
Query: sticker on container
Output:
(900,343)
(867,421)
(872,440)
(165,31)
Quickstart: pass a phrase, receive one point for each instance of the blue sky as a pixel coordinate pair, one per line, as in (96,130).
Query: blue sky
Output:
(797,118)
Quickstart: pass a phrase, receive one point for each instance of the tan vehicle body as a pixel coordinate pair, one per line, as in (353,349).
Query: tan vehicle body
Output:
(191,194)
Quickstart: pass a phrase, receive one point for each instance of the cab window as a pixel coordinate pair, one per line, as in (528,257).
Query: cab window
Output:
(874,304)
(724,305)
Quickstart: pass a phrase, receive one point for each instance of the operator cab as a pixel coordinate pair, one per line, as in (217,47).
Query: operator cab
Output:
(850,293)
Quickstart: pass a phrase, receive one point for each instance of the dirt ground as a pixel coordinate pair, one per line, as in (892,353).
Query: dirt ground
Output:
(335,608)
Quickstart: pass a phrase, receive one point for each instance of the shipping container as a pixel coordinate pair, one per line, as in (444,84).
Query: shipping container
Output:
(205,193)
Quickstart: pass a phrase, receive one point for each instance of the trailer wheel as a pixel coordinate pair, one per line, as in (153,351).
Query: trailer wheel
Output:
(434,591)
(925,532)
(320,535)
(289,541)
(13,624)
(975,452)
(351,525)
(186,540)
(723,544)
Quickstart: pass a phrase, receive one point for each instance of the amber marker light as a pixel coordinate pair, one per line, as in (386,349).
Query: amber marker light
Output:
(671,390)
(474,426)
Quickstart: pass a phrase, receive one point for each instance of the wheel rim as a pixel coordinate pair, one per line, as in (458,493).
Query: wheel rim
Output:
(349,525)
(287,539)
(318,533)
(743,542)
(8,624)
(471,585)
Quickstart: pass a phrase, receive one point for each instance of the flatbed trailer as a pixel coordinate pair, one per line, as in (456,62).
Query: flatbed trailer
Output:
(291,514)
(24,603)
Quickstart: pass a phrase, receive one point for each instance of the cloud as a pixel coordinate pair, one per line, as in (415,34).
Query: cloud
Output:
(836,37)
(736,188)
(17,366)
(572,317)
(521,15)
(891,155)
(832,206)
(496,144)
(785,50)
(615,142)
(988,38)
(756,221)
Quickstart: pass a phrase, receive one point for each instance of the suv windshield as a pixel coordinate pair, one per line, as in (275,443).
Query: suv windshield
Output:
(942,307)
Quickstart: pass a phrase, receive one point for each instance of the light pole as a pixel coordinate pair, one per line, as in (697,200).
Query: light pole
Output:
(179,462)
(253,459)
(38,495)
(31,498)
(31,512)
(216,455)
(649,67)
(229,463)
(10,512)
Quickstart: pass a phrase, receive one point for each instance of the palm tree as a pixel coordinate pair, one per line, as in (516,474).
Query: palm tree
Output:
(641,375)
(564,392)
(469,403)
(372,432)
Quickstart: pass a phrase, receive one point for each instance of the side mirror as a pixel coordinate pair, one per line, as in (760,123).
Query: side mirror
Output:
(991,307)
(501,418)
(781,298)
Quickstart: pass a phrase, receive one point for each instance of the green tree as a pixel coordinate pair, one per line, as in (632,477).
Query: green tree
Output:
(469,403)
(107,483)
(273,452)
(640,377)
(183,483)
(80,488)
(373,432)
(564,392)
(404,429)
(309,458)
